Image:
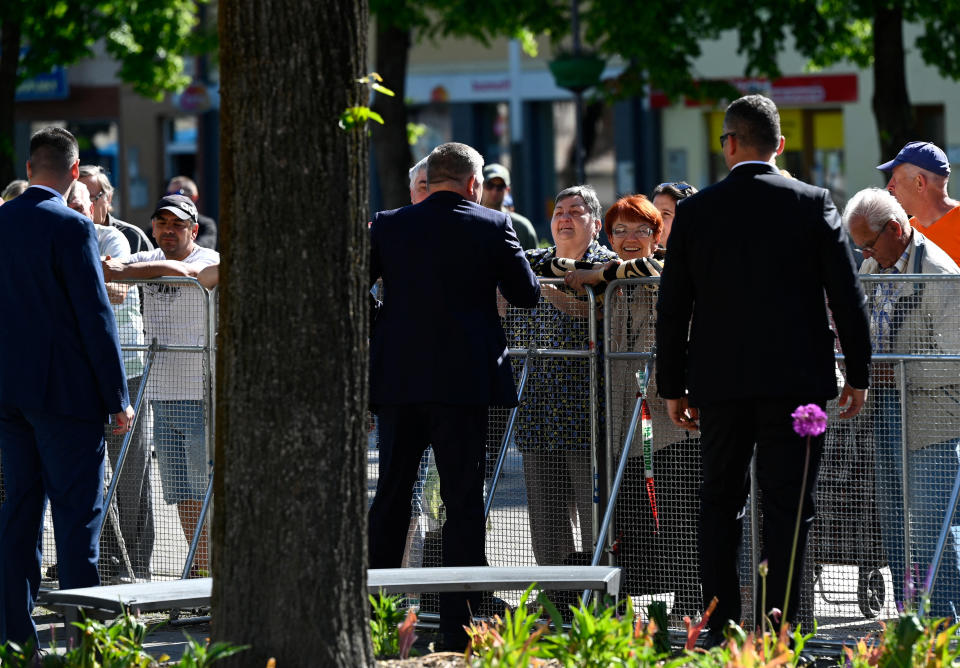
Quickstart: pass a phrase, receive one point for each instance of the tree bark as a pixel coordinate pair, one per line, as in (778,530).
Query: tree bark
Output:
(9,59)
(289,530)
(390,144)
(891,102)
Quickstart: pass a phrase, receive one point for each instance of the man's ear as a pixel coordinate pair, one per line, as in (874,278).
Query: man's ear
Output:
(783,142)
(75,170)
(29,170)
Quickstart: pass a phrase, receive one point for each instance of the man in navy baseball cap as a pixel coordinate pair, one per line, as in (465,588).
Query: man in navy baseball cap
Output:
(918,179)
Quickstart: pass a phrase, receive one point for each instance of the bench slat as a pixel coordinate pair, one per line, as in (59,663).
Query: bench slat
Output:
(484,578)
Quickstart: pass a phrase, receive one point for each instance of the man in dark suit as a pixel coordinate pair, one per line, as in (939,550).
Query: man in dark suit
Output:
(438,358)
(61,375)
(748,262)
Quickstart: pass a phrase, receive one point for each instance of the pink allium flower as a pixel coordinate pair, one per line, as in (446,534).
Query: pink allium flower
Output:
(809,420)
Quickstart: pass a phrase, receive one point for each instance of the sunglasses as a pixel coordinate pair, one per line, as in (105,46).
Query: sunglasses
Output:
(679,186)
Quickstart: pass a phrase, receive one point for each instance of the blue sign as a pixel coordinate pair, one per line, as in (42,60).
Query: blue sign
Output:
(50,85)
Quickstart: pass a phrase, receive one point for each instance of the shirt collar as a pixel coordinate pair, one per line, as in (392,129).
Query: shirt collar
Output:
(753,162)
(49,189)
(900,266)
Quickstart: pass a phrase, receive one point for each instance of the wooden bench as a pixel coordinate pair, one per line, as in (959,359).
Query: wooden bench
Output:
(110,600)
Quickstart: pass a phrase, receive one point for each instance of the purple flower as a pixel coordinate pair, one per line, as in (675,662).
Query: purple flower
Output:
(809,420)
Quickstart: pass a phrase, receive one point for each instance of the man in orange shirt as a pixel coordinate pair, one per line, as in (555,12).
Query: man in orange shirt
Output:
(919,176)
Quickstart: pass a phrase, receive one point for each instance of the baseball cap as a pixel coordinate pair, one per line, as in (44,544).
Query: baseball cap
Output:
(496,171)
(181,206)
(924,155)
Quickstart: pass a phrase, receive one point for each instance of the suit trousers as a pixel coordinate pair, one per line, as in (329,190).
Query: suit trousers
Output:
(458,436)
(63,458)
(729,433)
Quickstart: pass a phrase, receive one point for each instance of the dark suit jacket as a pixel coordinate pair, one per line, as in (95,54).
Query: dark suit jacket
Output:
(438,336)
(748,260)
(59,351)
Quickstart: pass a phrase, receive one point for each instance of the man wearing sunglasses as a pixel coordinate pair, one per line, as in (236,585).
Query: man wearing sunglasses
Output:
(756,353)
(496,187)
(912,318)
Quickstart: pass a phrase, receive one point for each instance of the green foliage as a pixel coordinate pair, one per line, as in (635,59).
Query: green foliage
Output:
(199,655)
(511,641)
(415,131)
(357,116)
(148,37)
(384,622)
(117,645)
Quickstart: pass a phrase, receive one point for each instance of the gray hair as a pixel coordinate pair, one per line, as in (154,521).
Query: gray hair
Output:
(456,162)
(14,189)
(421,166)
(96,173)
(589,195)
(876,206)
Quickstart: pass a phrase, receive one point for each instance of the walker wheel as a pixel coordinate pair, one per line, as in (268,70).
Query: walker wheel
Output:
(870,592)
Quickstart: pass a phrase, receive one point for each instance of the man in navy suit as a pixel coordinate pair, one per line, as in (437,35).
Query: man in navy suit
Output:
(61,376)
(438,359)
(759,345)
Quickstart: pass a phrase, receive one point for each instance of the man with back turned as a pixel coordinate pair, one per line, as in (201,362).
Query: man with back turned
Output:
(438,359)
(61,375)
(741,362)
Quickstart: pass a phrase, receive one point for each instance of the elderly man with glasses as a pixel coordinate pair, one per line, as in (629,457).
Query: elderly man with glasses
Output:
(101,196)
(909,318)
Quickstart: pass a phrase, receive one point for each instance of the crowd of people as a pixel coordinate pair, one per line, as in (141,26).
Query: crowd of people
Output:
(73,354)
(731,369)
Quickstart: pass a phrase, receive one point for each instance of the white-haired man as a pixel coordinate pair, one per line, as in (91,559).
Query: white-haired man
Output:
(910,318)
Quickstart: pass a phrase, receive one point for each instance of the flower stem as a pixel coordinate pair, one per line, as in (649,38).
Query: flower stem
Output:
(796,534)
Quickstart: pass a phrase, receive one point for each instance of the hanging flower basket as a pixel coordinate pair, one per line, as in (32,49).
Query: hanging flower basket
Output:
(577,72)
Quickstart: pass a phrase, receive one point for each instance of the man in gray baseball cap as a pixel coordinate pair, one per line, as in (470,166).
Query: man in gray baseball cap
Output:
(918,179)
(496,186)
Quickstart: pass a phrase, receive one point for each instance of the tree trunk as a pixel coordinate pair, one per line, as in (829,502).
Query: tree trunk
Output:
(9,59)
(390,142)
(289,532)
(891,103)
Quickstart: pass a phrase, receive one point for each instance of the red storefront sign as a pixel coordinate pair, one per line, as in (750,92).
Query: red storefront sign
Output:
(795,91)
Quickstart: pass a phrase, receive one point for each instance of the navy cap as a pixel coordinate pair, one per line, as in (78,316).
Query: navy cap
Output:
(924,155)
(180,205)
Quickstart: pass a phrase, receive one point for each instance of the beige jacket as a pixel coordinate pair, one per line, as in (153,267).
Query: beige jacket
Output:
(926,322)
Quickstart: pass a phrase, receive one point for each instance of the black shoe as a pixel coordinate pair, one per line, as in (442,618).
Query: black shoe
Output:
(454,642)
(711,638)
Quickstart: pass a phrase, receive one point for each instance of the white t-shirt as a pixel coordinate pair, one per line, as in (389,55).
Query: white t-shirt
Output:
(176,315)
(112,242)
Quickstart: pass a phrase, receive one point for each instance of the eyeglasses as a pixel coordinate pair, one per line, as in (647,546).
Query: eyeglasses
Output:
(643,231)
(494,186)
(678,185)
(95,198)
(869,247)
(723,137)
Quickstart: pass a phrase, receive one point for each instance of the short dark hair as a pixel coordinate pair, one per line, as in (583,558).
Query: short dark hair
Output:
(755,121)
(53,150)
(678,190)
(454,161)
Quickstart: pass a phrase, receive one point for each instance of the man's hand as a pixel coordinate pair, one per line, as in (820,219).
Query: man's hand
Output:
(112,269)
(856,398)
(682,414)
(124,420)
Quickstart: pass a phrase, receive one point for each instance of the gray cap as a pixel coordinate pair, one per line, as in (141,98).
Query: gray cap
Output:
(496,171)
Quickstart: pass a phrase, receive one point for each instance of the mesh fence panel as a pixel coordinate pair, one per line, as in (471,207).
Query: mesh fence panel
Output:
(157,504)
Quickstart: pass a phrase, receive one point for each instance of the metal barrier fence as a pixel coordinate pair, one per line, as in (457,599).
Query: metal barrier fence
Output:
(546,479)
(158,477)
